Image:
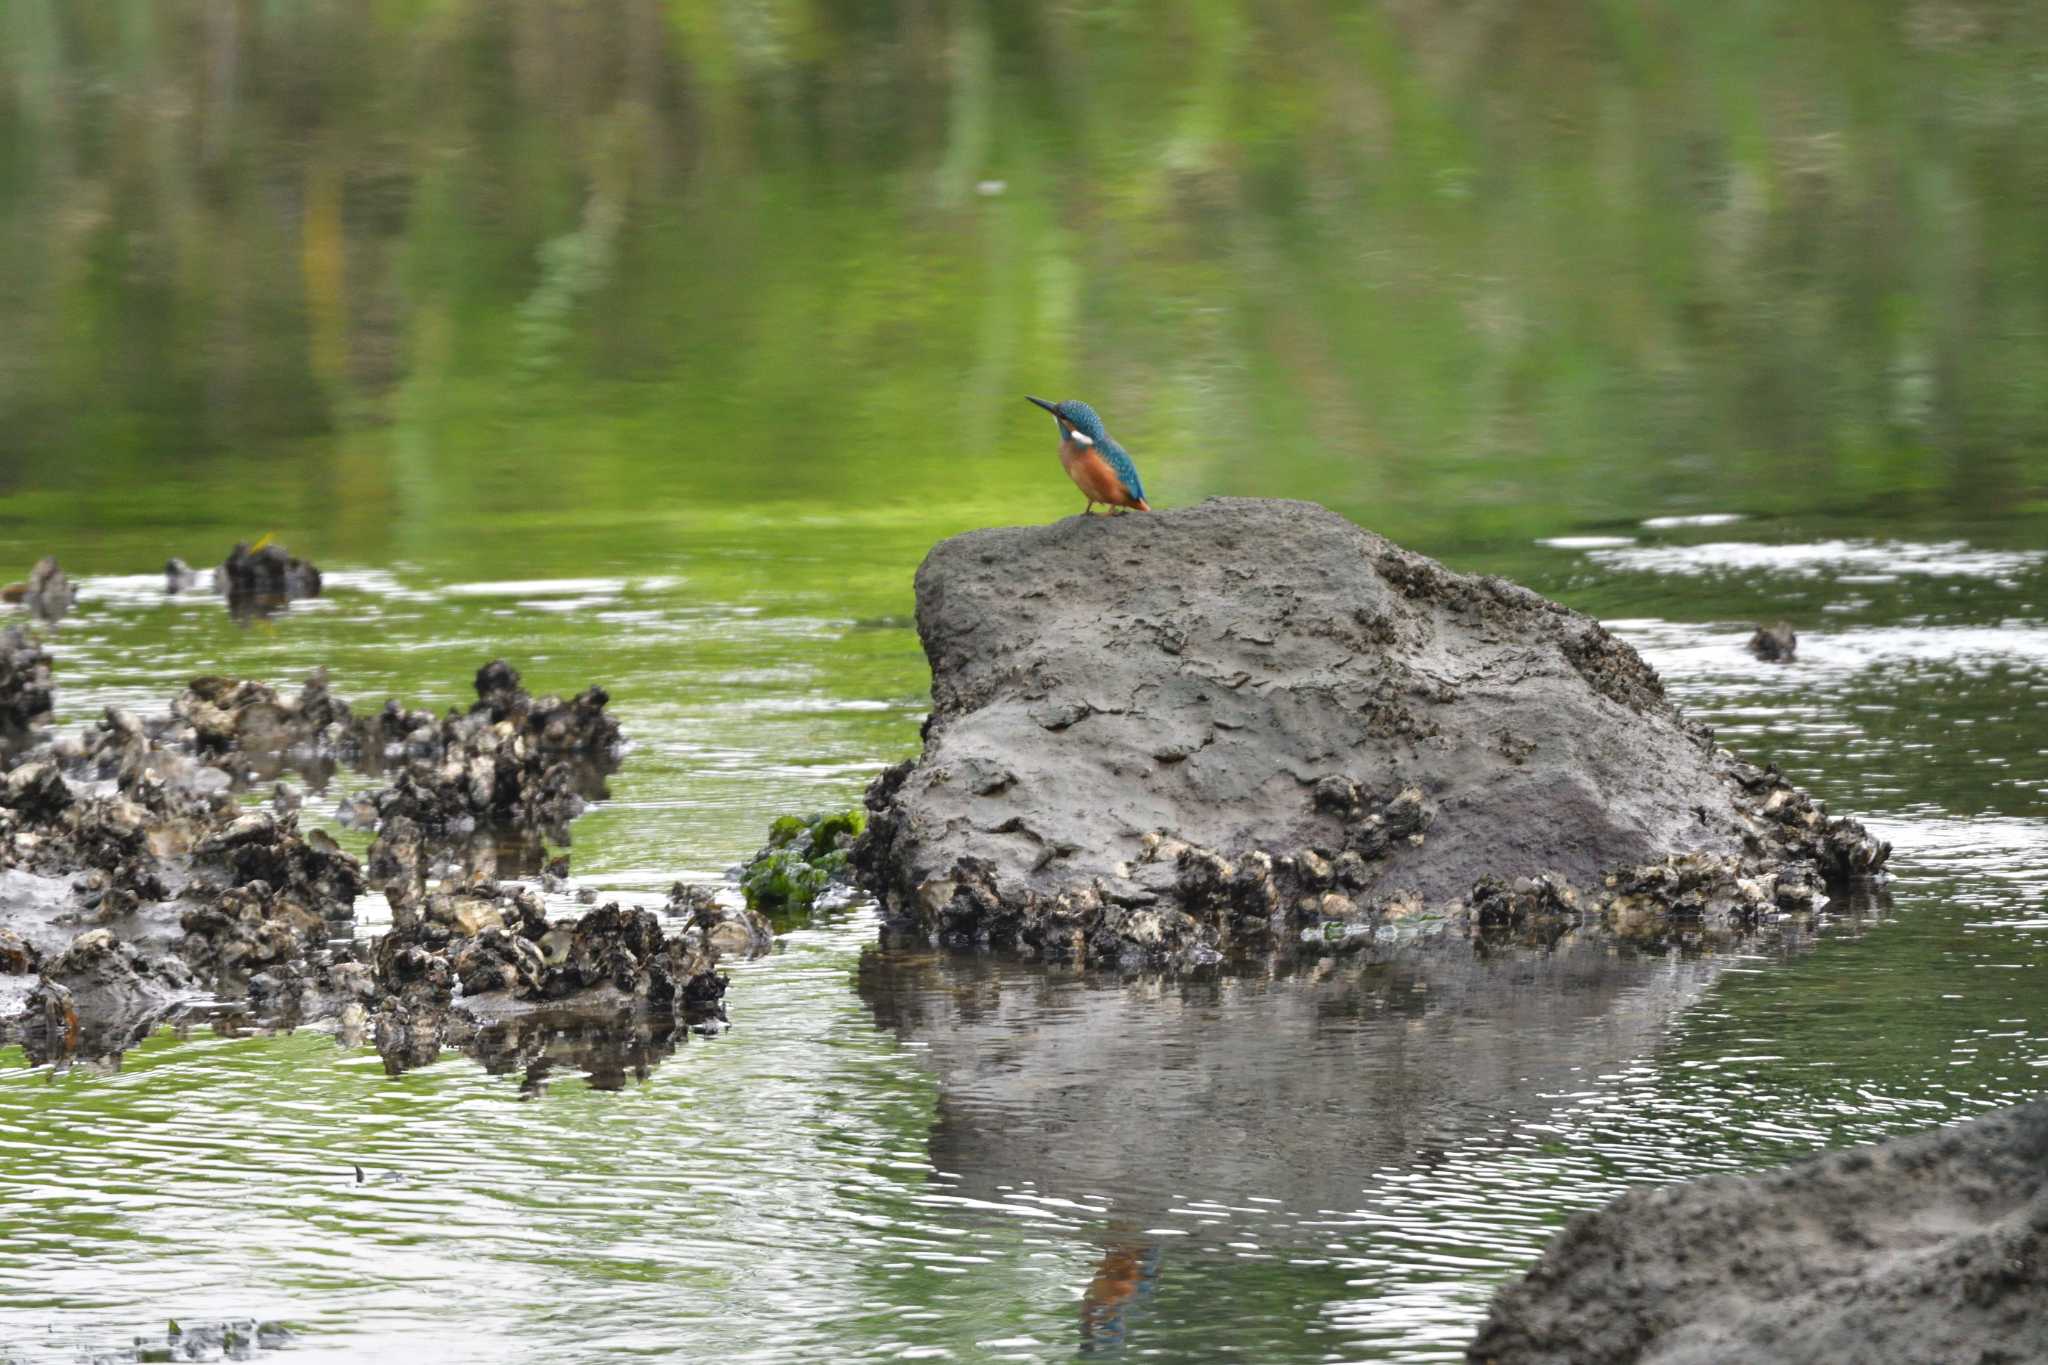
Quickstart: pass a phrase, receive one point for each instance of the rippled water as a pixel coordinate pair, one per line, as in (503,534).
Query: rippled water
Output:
(896,1155)
(652,344)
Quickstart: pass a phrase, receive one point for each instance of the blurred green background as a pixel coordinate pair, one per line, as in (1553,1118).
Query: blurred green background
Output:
(383,271)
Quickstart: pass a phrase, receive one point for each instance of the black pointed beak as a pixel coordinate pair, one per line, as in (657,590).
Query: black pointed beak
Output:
(1052,408)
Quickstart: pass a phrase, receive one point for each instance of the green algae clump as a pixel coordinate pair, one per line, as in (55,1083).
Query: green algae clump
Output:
(802,857)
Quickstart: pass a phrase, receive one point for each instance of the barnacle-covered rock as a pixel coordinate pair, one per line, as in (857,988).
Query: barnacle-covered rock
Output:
(1278,727)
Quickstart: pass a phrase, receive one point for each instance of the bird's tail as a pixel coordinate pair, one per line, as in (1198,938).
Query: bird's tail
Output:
(1139,504)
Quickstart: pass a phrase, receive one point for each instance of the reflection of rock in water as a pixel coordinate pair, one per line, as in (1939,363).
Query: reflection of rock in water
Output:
(606,1036)
(608,1052)
(1291,1087)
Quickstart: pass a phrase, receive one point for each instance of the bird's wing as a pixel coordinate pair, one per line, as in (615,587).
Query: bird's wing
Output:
(1120,461)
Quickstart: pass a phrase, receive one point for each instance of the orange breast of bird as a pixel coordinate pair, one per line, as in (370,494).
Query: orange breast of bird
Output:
(1092,474)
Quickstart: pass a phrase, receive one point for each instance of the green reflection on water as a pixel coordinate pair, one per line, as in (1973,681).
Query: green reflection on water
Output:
(1473,270)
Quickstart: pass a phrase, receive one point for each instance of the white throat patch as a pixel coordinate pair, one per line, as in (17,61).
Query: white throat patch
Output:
(1083,437)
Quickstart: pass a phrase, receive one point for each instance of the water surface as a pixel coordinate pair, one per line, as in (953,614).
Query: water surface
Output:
(653,344)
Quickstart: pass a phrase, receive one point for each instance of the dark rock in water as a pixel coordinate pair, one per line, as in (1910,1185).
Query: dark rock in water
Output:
(139,883)
(264,579)
(275,913)
(579,725)
(35,790)
(511,964)
(1774,644)
(25,691)
(130,831)
(512,762)
(1219,728)
(252,726)
(498,959)
(1929,1247)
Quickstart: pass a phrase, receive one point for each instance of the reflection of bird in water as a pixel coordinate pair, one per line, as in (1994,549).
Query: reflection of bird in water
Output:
(1099,467)
(1126,1273)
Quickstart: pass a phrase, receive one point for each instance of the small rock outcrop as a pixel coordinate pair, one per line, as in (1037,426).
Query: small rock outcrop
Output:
(261,579)
(1928,1247)
(133,883)
(48,592)
(1250,722)
(513,766)
(484,953)
(1777,644)
(24,685)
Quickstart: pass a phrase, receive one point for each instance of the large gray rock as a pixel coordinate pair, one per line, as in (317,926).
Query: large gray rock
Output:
(1932,1247)
(1216,727)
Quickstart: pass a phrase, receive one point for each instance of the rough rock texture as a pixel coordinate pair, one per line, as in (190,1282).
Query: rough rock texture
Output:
(227,721)
(1216,728)
(48,594)
(729,931)
(133,883)
(24,685)
(1932,1247)
(486,954)
(478,790)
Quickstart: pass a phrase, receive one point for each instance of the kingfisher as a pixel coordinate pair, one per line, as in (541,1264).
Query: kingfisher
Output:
(1099,467)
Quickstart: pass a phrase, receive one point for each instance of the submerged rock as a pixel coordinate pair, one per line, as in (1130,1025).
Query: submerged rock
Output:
(1228,727)
(1929,1247)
